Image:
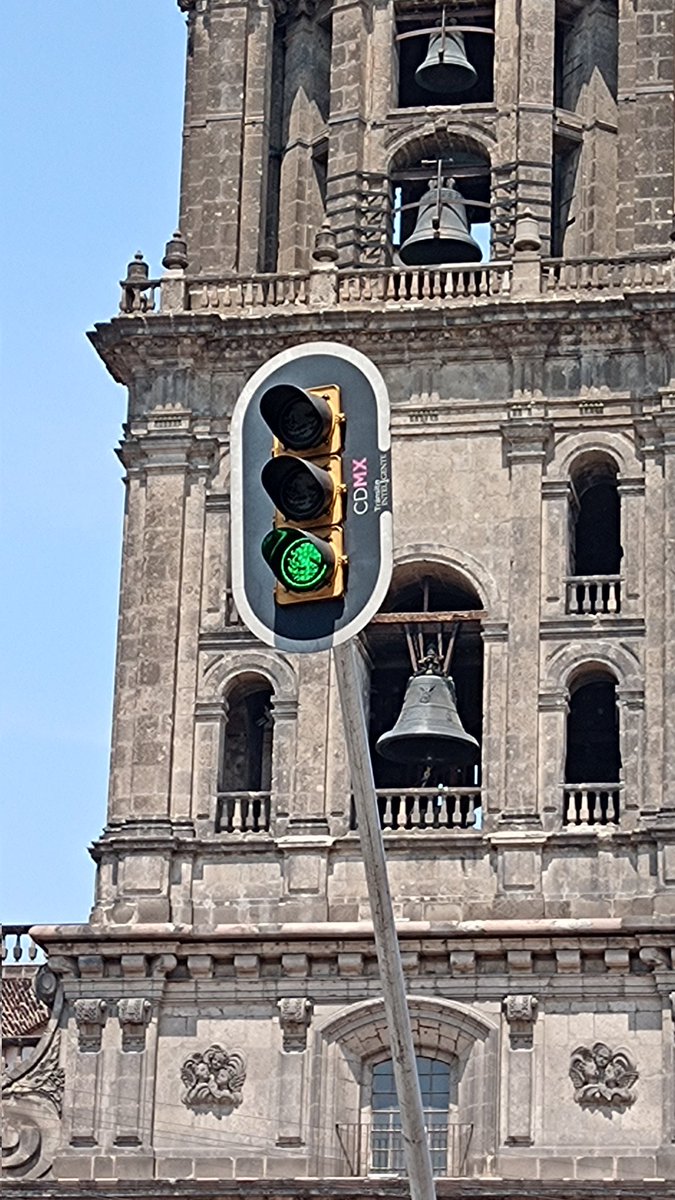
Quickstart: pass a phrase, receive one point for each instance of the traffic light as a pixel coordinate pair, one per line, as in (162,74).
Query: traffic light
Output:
(311,497)
(305,548)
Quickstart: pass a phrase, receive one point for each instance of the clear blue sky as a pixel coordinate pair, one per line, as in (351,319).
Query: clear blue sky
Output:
(92,95)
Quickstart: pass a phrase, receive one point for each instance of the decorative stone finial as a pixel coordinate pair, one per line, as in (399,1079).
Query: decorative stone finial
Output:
(325,245)
(527,233)
(138,269)
(175,253)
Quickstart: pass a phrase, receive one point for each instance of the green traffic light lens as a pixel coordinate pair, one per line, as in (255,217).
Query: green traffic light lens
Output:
(303,566)
(302,562)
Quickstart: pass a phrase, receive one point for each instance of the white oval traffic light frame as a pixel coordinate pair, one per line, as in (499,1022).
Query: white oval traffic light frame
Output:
(320,625)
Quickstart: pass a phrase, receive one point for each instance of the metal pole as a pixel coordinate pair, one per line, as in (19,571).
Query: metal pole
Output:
(415,1143)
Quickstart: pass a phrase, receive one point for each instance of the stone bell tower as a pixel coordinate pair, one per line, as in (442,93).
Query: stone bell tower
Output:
(478,195)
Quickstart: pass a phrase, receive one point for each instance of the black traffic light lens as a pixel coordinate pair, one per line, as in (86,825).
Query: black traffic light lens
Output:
(301,561)
(301,495)
(299,489)
(298,420)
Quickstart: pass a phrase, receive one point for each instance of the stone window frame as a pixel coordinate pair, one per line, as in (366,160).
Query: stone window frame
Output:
(219,677)
(351,1040)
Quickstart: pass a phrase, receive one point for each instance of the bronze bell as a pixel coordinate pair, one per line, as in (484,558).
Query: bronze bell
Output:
(441,234)
(428,728)
(446,67)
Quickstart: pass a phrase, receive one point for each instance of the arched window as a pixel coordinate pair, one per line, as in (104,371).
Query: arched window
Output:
(246,761)
(418,615)
(595,536)
(593,757)
(438,1085)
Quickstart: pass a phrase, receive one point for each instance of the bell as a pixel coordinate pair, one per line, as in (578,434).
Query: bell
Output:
(446,67)
(441,234)
(428,728)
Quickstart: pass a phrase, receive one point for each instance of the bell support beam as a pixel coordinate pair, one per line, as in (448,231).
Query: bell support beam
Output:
(416,1146)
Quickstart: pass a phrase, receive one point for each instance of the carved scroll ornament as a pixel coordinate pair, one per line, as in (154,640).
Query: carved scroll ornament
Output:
(602,1076)
(214,1080)
(295,1015)
(90,1017)
(134,1014)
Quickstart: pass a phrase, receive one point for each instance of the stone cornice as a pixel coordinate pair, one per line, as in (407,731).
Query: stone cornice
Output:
(132,345)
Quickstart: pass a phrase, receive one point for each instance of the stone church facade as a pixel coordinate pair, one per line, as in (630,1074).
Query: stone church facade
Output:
(219,1019)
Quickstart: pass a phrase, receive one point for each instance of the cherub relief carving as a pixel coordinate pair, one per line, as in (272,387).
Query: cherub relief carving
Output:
(214,1079)
(602,1076)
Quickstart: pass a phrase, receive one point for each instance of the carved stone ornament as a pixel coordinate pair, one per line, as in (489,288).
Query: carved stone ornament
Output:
(90,1017)
(134,1016)
(214,1080)
(295,1015)
(602,1077)
(46,1079)
(521,1013)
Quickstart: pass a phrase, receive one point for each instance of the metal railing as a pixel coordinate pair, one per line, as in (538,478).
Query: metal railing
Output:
(426,809)
(593,594)
(591,803)
(376,1147)
(243,812)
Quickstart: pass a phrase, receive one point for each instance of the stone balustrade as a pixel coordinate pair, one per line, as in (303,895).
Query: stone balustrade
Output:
(591,803)
(593,594)
(427,809)
(525,276)
(243,812)
(17,945)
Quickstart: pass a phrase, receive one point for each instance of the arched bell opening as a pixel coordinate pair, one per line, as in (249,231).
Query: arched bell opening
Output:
(245,777)
(445,55)
(441,206)
(593,749)
(427,619)
(595,536)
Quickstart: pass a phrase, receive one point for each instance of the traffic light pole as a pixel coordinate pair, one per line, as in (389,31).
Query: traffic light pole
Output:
(415,1142)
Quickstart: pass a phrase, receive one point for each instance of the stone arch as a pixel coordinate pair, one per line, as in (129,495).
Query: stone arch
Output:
(351,1040)
(221,675)
(566,663)
(442,135)
(460,562)
(616,446)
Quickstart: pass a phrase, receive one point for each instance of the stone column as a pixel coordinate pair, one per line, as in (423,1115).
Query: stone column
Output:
(295,1015)
(210,721)
(300,203)
(493,768)
(535,111)
(632,501)
(556,547)
(216,589)
(631,705)
(214,134)
(520,1012)
(284,751)
(131,1131)
(347,123)
(256,137)
(187,648)
(82,1120)
(526,442)
(308,812)
(553,709)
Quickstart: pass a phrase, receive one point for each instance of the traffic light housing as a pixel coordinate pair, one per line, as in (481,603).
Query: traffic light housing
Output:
(304,480)
(311,497)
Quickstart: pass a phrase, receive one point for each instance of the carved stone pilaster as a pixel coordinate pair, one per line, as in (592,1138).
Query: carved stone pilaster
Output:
(90,1017)
(521,1013)
(134,1016)
(295,1015)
